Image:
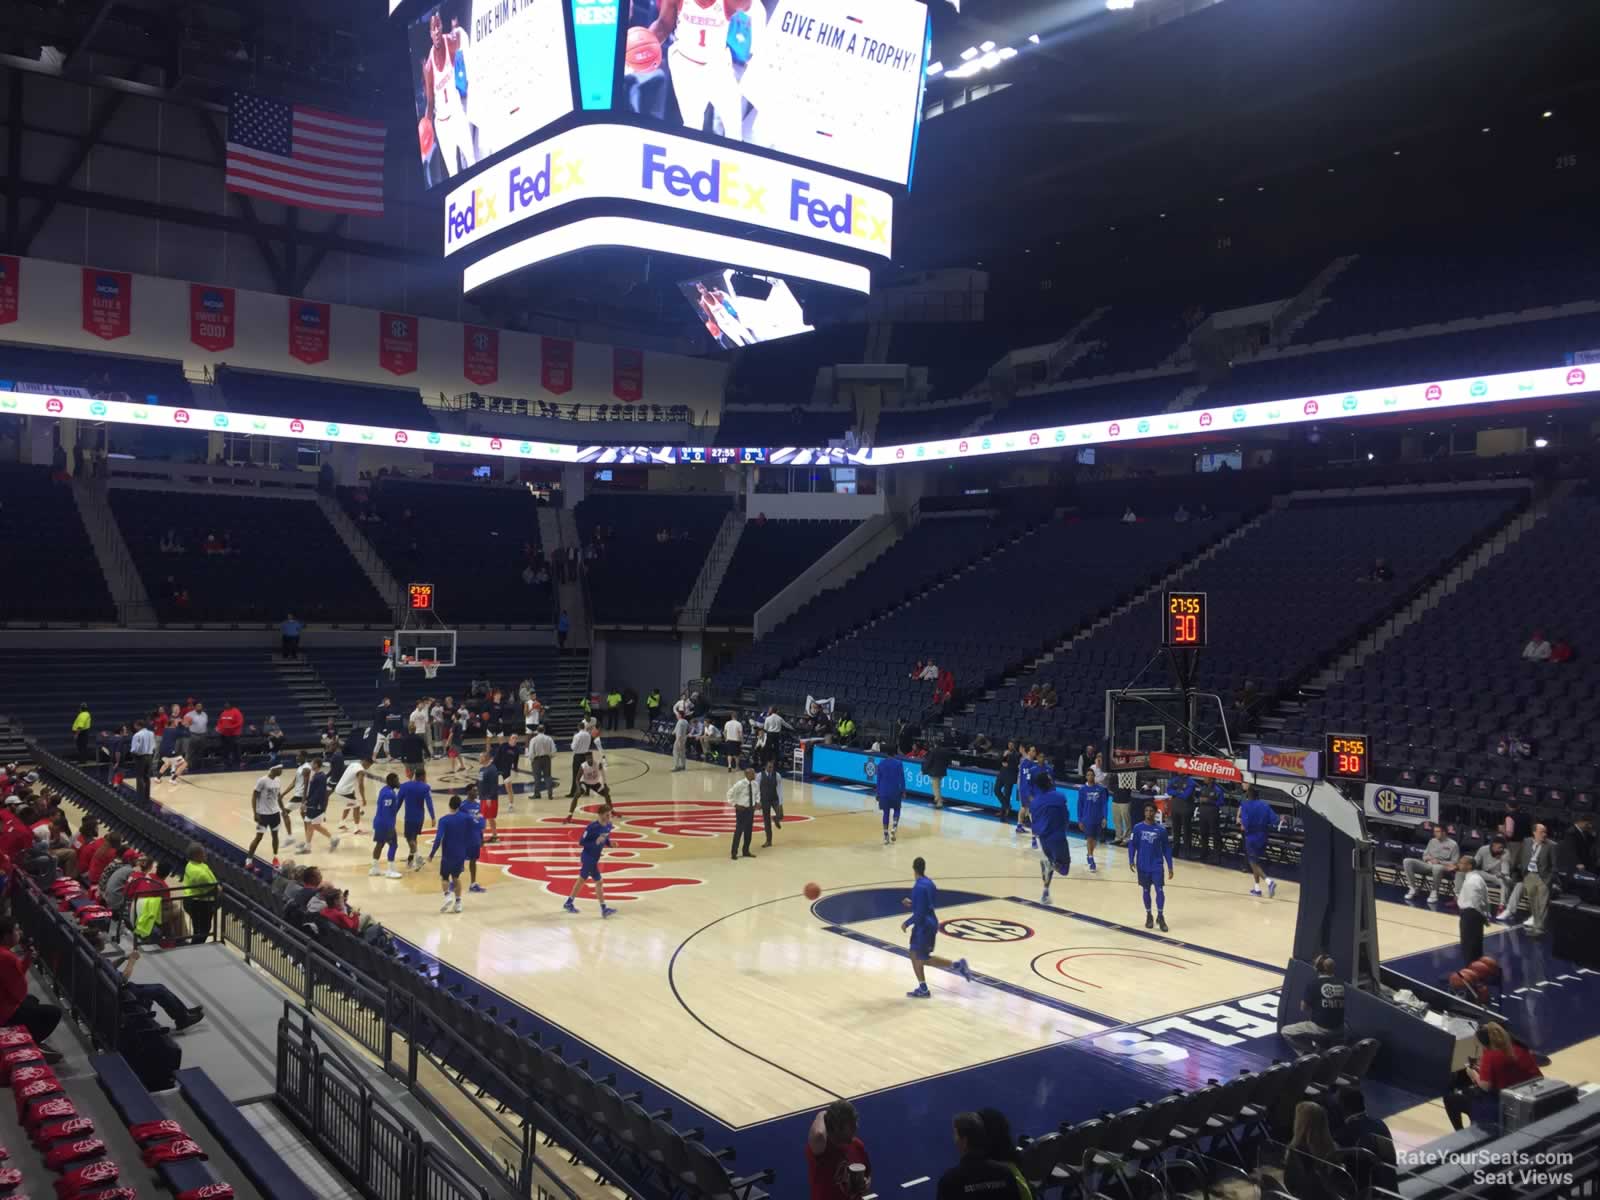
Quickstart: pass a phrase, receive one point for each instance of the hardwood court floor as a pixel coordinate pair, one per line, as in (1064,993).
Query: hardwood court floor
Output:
(721,983)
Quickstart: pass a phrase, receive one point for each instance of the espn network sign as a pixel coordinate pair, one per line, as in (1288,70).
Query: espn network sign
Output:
(621,162)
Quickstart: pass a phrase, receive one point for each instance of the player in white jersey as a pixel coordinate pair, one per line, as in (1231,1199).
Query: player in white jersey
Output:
(700,62)
(448,112)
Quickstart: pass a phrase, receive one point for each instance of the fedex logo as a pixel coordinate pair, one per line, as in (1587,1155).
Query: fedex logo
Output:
(850,216)
(558,174)
(482,209)
(721,183)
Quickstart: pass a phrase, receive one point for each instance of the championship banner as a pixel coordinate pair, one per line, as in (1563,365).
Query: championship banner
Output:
(1282,760)
(107,303)
(10,288)
(1400,805)
(211,316)
(397,343)
(1194,764)
(627,374)
(555,364)
(480,354)
(310,324)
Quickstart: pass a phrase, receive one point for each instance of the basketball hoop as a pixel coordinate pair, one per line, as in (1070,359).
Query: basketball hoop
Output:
(430,670)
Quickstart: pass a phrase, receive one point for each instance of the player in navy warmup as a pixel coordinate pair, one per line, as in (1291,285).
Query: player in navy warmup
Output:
(1050,826)
(1092,800)
(416,797)
(596,837)
(1148,847)
(383,821)
(1258,820)
(890,784)
(472,808)
(489,775)
(924,926)
(452,841)
(316,808)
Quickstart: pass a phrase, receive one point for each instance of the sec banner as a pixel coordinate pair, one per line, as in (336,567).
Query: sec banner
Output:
(10,288)
(627,374)
(397,343)
(555,364)
(480,354)
(107,303)
(309,326)
(211,316)
(1400,805)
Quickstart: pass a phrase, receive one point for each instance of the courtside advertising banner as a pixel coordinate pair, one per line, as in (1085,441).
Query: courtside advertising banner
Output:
(10,288)
(627,374)
(211,316)
(107,303)
(310,324)
(855,766)
(1196,765)
(397,343)
(555,364)
(838,82)
(484,75)
(1284,760)
(480,354)
(1400,805)
(624,162)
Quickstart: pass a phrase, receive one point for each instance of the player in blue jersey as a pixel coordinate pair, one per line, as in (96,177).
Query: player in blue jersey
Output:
(596,837)
(383,822)
(1093,797)
(473,808)
(1025,771)
(1148,847)
(890,784)
(924,926)
(416,798)
(1050,827)
(452,841)
(1257,820)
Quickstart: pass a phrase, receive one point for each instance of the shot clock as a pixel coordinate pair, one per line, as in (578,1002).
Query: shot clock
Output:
(1345,756)
(1183,620)
(421,597)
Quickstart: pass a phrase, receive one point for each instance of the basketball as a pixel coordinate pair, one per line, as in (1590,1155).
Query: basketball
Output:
(812,891)
(1486,968)
(644,50)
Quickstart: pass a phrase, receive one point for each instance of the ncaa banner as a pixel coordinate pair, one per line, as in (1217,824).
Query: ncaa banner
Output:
(1282,760)
(555,364)
(10,288)
(397,343)
(107,303)
(310,323)
(480,354)
(1400,805)
(211,316)
(627,374)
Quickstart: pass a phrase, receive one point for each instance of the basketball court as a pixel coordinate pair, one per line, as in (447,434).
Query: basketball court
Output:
(719,982)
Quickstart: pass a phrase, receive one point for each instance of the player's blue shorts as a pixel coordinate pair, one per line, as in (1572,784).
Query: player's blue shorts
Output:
(1255,846)
(1151,878)
(887,802)
(589,870)
(315,809)
(1091,829)
(1058,854)
(449,868)
(383,834)
(922,942)
(413,830)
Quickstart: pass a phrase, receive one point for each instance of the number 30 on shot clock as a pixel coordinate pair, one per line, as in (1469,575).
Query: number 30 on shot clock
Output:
(421,595)
(1183,620)
(1346,756)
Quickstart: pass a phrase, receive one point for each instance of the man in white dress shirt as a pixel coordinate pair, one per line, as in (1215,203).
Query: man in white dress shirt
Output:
(743,796)
(733,741)
(582,742)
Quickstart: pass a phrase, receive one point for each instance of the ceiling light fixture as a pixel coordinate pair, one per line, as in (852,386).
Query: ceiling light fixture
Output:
(934,68)
(970,53)
(986,46)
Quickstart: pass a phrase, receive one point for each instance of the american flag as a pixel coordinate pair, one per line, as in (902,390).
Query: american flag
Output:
(305,156)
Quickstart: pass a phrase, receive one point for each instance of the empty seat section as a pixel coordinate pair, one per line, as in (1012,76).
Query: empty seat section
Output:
(54,573)
(770,556)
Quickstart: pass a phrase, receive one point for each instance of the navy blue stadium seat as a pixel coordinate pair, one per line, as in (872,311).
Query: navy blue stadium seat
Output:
(273,1178)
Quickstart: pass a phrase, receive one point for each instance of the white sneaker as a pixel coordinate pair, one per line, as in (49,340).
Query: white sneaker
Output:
(1255,891)
(391,873)
(334,845)
(894,832)
(448,901)
(1501,915)
(1411,893)
(417,866)
(1272,888)
(1433,899)
(457,907)
(375,871)
(303,848)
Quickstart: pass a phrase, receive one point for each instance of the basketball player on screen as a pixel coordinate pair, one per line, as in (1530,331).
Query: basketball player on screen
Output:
(446,109)
(701,61)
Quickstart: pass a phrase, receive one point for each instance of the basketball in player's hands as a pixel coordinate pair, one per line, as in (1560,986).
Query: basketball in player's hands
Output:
(644,50)
(812,891)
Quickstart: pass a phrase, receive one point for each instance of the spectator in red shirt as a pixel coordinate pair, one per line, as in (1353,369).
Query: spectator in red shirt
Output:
(230,724)
(336,911)
(1505,1062)
(1561,652)
(17,1007)
(832,1148)
(15,835)
(109,850)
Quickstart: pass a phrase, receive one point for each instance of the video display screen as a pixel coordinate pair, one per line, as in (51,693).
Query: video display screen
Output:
(485,74)
(739,308)
(837,82)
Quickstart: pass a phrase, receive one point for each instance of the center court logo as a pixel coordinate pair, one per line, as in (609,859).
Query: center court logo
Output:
(986,929)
